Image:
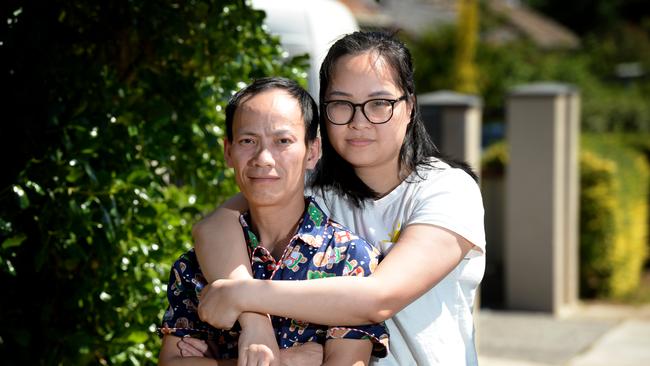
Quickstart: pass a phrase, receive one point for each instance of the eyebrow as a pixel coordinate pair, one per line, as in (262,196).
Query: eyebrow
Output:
(283,132)
(380,93)
(275,133)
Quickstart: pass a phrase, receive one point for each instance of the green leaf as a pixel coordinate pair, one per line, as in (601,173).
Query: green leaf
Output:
(138,336)
(23,200)
(13,241)
(143,122)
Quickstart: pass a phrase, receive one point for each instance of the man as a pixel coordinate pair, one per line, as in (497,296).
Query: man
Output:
(271,129)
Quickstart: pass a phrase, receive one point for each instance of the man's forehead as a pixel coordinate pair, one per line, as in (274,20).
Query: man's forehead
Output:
(271,108)
(267,96)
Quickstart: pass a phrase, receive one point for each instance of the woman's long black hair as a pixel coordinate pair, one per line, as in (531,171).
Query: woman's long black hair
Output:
(335,173)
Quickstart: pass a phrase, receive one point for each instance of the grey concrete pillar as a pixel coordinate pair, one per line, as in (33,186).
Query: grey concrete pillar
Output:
(572,186)
(541,238)
(454,122)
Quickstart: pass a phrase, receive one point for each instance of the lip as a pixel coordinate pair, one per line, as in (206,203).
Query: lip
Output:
(359,142)
(263,179)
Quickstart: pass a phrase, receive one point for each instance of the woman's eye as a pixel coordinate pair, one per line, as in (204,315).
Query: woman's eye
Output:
(380,103)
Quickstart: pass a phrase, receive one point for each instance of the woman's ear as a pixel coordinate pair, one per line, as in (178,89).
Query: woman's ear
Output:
(410,104)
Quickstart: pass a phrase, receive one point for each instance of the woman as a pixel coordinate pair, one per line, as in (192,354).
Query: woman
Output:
(381,176)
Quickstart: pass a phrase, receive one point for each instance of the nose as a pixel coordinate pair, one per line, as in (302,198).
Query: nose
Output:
(359,119)
(263,157)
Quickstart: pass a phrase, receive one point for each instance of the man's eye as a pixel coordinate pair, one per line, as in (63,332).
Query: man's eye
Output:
(246,141)
(284,141)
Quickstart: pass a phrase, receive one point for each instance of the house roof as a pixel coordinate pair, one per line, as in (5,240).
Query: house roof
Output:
(419,16)
(369,14)
(542,30)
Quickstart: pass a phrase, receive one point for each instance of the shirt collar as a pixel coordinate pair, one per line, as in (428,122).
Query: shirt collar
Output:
(249,235)
(311,228)
(313,224)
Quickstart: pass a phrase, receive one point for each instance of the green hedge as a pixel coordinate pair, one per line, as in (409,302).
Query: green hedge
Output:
(609,104)
(613,216)
(614,186)
(119,111)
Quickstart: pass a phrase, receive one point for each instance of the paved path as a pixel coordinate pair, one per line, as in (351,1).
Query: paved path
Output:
(591,335)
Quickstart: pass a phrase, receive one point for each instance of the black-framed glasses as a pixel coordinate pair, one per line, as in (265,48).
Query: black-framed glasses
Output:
(376,111)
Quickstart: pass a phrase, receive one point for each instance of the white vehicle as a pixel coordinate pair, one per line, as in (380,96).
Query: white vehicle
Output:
(307,27)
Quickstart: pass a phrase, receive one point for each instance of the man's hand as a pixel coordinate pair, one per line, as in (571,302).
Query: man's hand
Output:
(218,304)
(193,347)
(257,355)
(257,343)
(308,354)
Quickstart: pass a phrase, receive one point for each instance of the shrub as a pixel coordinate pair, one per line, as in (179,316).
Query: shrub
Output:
(495,159)
(613,217)
(614,200)
(119,110)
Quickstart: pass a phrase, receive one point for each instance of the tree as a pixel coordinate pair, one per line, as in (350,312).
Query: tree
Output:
(118,108)
(594,16)
(465,72)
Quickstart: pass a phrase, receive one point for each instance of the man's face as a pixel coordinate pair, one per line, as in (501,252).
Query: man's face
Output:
(268,151)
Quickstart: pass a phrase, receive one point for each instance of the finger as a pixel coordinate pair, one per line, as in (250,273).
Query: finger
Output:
(201,310)
(243,358)
(187,345)
(202,293)
(255,360)
(186,353)
(252,356)
(190,352)
(199,344)
(187,350)
(265,361)
(262,355)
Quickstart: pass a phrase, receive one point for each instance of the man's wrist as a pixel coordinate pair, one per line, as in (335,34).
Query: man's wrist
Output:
(248,319)
(242,293)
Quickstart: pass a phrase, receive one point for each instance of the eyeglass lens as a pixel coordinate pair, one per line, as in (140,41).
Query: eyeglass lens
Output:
(375,110)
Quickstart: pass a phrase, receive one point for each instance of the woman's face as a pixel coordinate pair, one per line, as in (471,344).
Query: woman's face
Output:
(367,146)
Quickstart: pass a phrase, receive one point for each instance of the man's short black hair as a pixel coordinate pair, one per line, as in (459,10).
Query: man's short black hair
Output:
(307,104)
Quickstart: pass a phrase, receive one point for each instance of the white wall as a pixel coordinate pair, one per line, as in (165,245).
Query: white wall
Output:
(307,27)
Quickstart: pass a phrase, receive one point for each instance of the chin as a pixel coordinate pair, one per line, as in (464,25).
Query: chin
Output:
(359,160)
(263,200)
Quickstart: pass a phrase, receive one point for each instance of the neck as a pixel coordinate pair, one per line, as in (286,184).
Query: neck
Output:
(382,179)
(275,225)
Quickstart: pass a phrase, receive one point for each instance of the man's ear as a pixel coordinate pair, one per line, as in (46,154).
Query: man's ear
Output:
(226,152)
(313,153)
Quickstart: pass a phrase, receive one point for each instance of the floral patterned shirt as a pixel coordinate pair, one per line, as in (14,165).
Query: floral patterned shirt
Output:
(320,248)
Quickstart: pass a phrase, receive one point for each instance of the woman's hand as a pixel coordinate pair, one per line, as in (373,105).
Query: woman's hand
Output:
(218,303)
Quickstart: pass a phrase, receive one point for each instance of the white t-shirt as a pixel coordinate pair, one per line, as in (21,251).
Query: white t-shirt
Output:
(437,328)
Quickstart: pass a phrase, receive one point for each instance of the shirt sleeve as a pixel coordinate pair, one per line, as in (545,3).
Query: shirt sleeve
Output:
(361,259)
(181,318)
(451,199)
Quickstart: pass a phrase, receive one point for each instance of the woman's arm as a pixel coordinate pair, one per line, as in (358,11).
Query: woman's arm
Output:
(219,242)
(221,251)
(422,257)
